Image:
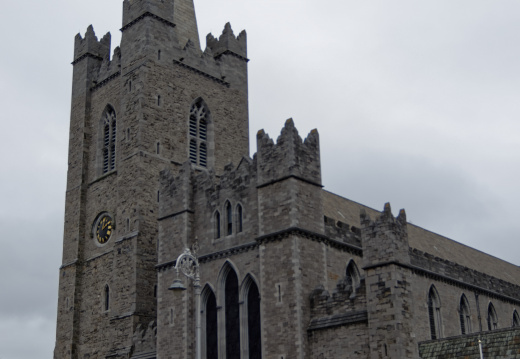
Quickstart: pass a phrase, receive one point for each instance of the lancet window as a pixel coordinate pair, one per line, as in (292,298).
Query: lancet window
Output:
(464,316)
(516,319)
(492,318)
(434,313)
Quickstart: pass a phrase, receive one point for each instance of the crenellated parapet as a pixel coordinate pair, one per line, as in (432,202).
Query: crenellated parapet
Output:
(228,43)
(385,239)
(90,46)
(289,157)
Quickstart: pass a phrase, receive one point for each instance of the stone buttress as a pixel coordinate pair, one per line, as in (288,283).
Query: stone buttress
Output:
(388,284)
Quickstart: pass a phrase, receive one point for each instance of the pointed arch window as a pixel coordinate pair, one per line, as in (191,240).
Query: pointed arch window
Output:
(492,319)
(516,319)
(464,316)
(253,322)
(229,219)
(109,139)
(434,313)
(198,133)
(232,321)
(210,324)
(239,218)
(352,275)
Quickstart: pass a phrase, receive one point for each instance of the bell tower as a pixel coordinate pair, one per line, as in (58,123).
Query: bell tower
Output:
(156,102)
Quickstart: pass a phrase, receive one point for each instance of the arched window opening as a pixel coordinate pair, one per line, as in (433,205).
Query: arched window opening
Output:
(229,219)
(211,326)
(217,225)
(352,275)
(492,319)
(253,322)
(464,316)
(109,140)
(198,133)
(434,313)
(516,319)
(107,298)
(239,219)
(232,316)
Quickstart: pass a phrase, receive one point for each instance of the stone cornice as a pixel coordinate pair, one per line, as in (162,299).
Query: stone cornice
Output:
(146,14)
(105,81)
(193,69)
(287,177)
(69,264)
(176,214)
(86,55)
(277,236)
(338,320)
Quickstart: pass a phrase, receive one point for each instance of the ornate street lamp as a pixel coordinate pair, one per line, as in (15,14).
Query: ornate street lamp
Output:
(188,263)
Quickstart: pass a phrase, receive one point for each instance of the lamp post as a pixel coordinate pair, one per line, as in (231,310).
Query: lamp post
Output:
(188,263)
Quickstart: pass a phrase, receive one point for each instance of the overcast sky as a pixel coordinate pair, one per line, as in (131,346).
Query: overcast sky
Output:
(416,102)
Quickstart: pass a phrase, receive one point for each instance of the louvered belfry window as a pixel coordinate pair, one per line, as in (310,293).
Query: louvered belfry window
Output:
(109,140)
(198,134)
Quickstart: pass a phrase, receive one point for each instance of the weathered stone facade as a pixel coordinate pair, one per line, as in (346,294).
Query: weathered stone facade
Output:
(159,146)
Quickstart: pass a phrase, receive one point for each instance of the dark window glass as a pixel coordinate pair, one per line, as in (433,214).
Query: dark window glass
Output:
(211,328)
(253,322)
(232,317)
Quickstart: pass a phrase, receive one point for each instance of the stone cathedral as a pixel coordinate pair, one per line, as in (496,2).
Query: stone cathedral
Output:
(159,163)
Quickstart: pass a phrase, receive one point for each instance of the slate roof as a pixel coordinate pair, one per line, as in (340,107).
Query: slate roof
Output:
(347,211)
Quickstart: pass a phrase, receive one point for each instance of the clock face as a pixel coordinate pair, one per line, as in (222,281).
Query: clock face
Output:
(104,229)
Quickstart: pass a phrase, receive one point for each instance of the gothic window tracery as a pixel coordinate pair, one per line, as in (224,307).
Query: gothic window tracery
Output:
(492,319)
(198,134)
(109,139)
(434,313)
(464,315)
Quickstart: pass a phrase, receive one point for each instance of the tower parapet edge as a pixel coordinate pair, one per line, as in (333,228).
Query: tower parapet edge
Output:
(227,43)
(90,46)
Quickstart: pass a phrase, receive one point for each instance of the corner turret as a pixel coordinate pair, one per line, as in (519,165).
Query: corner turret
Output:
(227,43)
(385,239)
(89,46)
(289,181)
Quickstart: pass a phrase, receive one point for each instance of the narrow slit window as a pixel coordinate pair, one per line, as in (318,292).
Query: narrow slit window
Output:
(516,319)
(158,149)
(107,298)
(158,54)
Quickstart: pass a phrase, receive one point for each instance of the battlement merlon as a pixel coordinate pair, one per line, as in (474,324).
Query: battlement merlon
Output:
(227,43)
(384,240)
(289,157)
(90,46)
